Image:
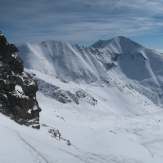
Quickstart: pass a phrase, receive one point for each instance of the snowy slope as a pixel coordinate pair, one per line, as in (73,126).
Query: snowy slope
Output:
(105,99)
(118,129)
(54,57)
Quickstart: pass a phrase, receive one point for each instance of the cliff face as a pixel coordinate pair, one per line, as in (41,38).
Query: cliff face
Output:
(17,89)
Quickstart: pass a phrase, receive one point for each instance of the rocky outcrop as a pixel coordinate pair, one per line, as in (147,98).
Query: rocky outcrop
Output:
(17,89)
(63,96)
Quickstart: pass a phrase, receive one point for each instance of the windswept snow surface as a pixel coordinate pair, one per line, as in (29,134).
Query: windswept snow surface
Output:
(112,110)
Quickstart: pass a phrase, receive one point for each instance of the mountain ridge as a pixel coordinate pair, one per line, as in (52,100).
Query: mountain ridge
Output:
(120,56)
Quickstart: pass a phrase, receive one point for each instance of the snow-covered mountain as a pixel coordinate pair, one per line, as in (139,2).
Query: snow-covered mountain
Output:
(65,60)
(118,58)
(105,100)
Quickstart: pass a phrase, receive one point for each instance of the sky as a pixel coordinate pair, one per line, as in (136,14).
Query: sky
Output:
(83,21)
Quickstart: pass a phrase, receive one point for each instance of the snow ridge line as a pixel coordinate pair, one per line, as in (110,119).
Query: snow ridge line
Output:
(33,148)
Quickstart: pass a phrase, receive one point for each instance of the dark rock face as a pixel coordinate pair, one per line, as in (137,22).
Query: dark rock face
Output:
(57,93)
(17,89)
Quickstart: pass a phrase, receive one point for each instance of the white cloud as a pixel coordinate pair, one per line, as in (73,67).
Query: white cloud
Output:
(79,20)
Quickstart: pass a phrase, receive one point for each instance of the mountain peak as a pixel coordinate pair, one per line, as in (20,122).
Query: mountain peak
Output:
(120,37)
(119,44)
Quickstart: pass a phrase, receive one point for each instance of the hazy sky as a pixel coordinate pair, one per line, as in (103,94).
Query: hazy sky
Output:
(83,21)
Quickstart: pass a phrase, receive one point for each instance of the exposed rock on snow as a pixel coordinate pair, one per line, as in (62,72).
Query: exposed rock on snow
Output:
(17,89)
(55,92)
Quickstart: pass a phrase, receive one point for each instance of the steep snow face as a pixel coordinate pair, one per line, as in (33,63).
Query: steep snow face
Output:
(65,60)
(131,58)
(137,65)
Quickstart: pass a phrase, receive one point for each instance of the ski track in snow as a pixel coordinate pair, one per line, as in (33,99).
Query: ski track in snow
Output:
(29,145)
(33,148)
(85,157)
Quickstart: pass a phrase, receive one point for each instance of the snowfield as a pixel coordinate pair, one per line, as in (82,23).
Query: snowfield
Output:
(105,100)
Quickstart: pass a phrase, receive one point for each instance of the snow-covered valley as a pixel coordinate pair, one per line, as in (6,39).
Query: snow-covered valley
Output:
(105,100)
